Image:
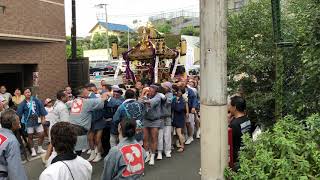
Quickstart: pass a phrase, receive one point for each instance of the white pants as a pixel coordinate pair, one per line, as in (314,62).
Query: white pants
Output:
(164,139)
(190,120)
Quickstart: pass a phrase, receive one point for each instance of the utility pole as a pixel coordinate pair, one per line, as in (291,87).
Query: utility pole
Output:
(128,38)
(276,23)
(107,29)
(214,125)
(74,32)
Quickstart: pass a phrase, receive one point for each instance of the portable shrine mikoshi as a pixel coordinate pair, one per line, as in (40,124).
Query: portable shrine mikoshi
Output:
(154,61)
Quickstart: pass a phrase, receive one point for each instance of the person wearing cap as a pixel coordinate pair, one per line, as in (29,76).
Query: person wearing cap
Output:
(117,94)
(164,138)
(115,87)
(152,120)
(111,107)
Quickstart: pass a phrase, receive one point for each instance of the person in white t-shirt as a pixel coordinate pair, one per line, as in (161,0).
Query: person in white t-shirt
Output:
(48,105)
(66,165)
(6,96)
(59,113)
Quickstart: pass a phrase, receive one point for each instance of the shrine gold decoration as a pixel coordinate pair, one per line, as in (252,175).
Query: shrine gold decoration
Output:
(114,50)
(183,47)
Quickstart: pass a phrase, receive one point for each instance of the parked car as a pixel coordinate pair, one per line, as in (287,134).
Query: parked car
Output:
(113,65)
(110,69)
(96,68)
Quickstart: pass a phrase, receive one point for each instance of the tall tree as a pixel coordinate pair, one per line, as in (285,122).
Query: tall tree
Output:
(99,41)
(251,57)
(164,27)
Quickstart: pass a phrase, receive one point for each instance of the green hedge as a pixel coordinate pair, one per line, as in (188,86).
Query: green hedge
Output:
(290,150)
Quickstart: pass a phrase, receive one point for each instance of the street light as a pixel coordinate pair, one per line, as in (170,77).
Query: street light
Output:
(101,6)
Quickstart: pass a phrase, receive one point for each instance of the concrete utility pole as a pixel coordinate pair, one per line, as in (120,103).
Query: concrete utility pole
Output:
(128,38)
(214,127)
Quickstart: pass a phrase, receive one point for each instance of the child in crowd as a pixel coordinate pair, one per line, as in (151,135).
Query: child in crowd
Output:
(179,107)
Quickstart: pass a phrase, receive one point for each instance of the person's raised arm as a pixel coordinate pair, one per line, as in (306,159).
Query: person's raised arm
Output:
(97,103)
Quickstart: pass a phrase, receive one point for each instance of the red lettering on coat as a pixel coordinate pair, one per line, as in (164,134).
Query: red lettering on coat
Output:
(2,139)
(133,156)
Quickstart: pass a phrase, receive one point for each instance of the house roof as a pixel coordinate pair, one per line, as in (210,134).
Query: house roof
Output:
(113,27)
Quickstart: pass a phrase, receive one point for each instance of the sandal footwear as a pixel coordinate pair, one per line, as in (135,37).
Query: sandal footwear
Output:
(180,150)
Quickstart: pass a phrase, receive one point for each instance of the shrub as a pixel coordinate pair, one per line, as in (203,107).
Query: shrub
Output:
(290,150)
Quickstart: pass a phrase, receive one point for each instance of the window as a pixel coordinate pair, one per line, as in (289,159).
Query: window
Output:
(2,9)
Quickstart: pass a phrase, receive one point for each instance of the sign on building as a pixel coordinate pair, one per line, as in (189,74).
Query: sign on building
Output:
(35,79)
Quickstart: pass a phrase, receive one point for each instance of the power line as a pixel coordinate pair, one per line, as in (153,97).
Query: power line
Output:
(187,8)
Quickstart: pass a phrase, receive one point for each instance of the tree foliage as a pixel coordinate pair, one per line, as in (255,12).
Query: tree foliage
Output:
(164,27)
(99,41)
(302,26)
(123,42)
(68,48)
(290,150)
(190,31)
(252,55)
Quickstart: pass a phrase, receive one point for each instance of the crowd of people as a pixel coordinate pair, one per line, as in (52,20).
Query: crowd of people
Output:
(127,126)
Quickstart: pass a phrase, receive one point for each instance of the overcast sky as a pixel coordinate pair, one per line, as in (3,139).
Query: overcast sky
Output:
(122,11)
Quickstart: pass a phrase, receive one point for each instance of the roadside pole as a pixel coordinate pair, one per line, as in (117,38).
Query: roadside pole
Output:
(74,32)
(214,128)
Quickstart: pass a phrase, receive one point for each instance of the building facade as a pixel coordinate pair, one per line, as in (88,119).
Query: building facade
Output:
(32,46)
(113,29)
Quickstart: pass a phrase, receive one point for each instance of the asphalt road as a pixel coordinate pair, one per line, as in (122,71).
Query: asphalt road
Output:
(182,166)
